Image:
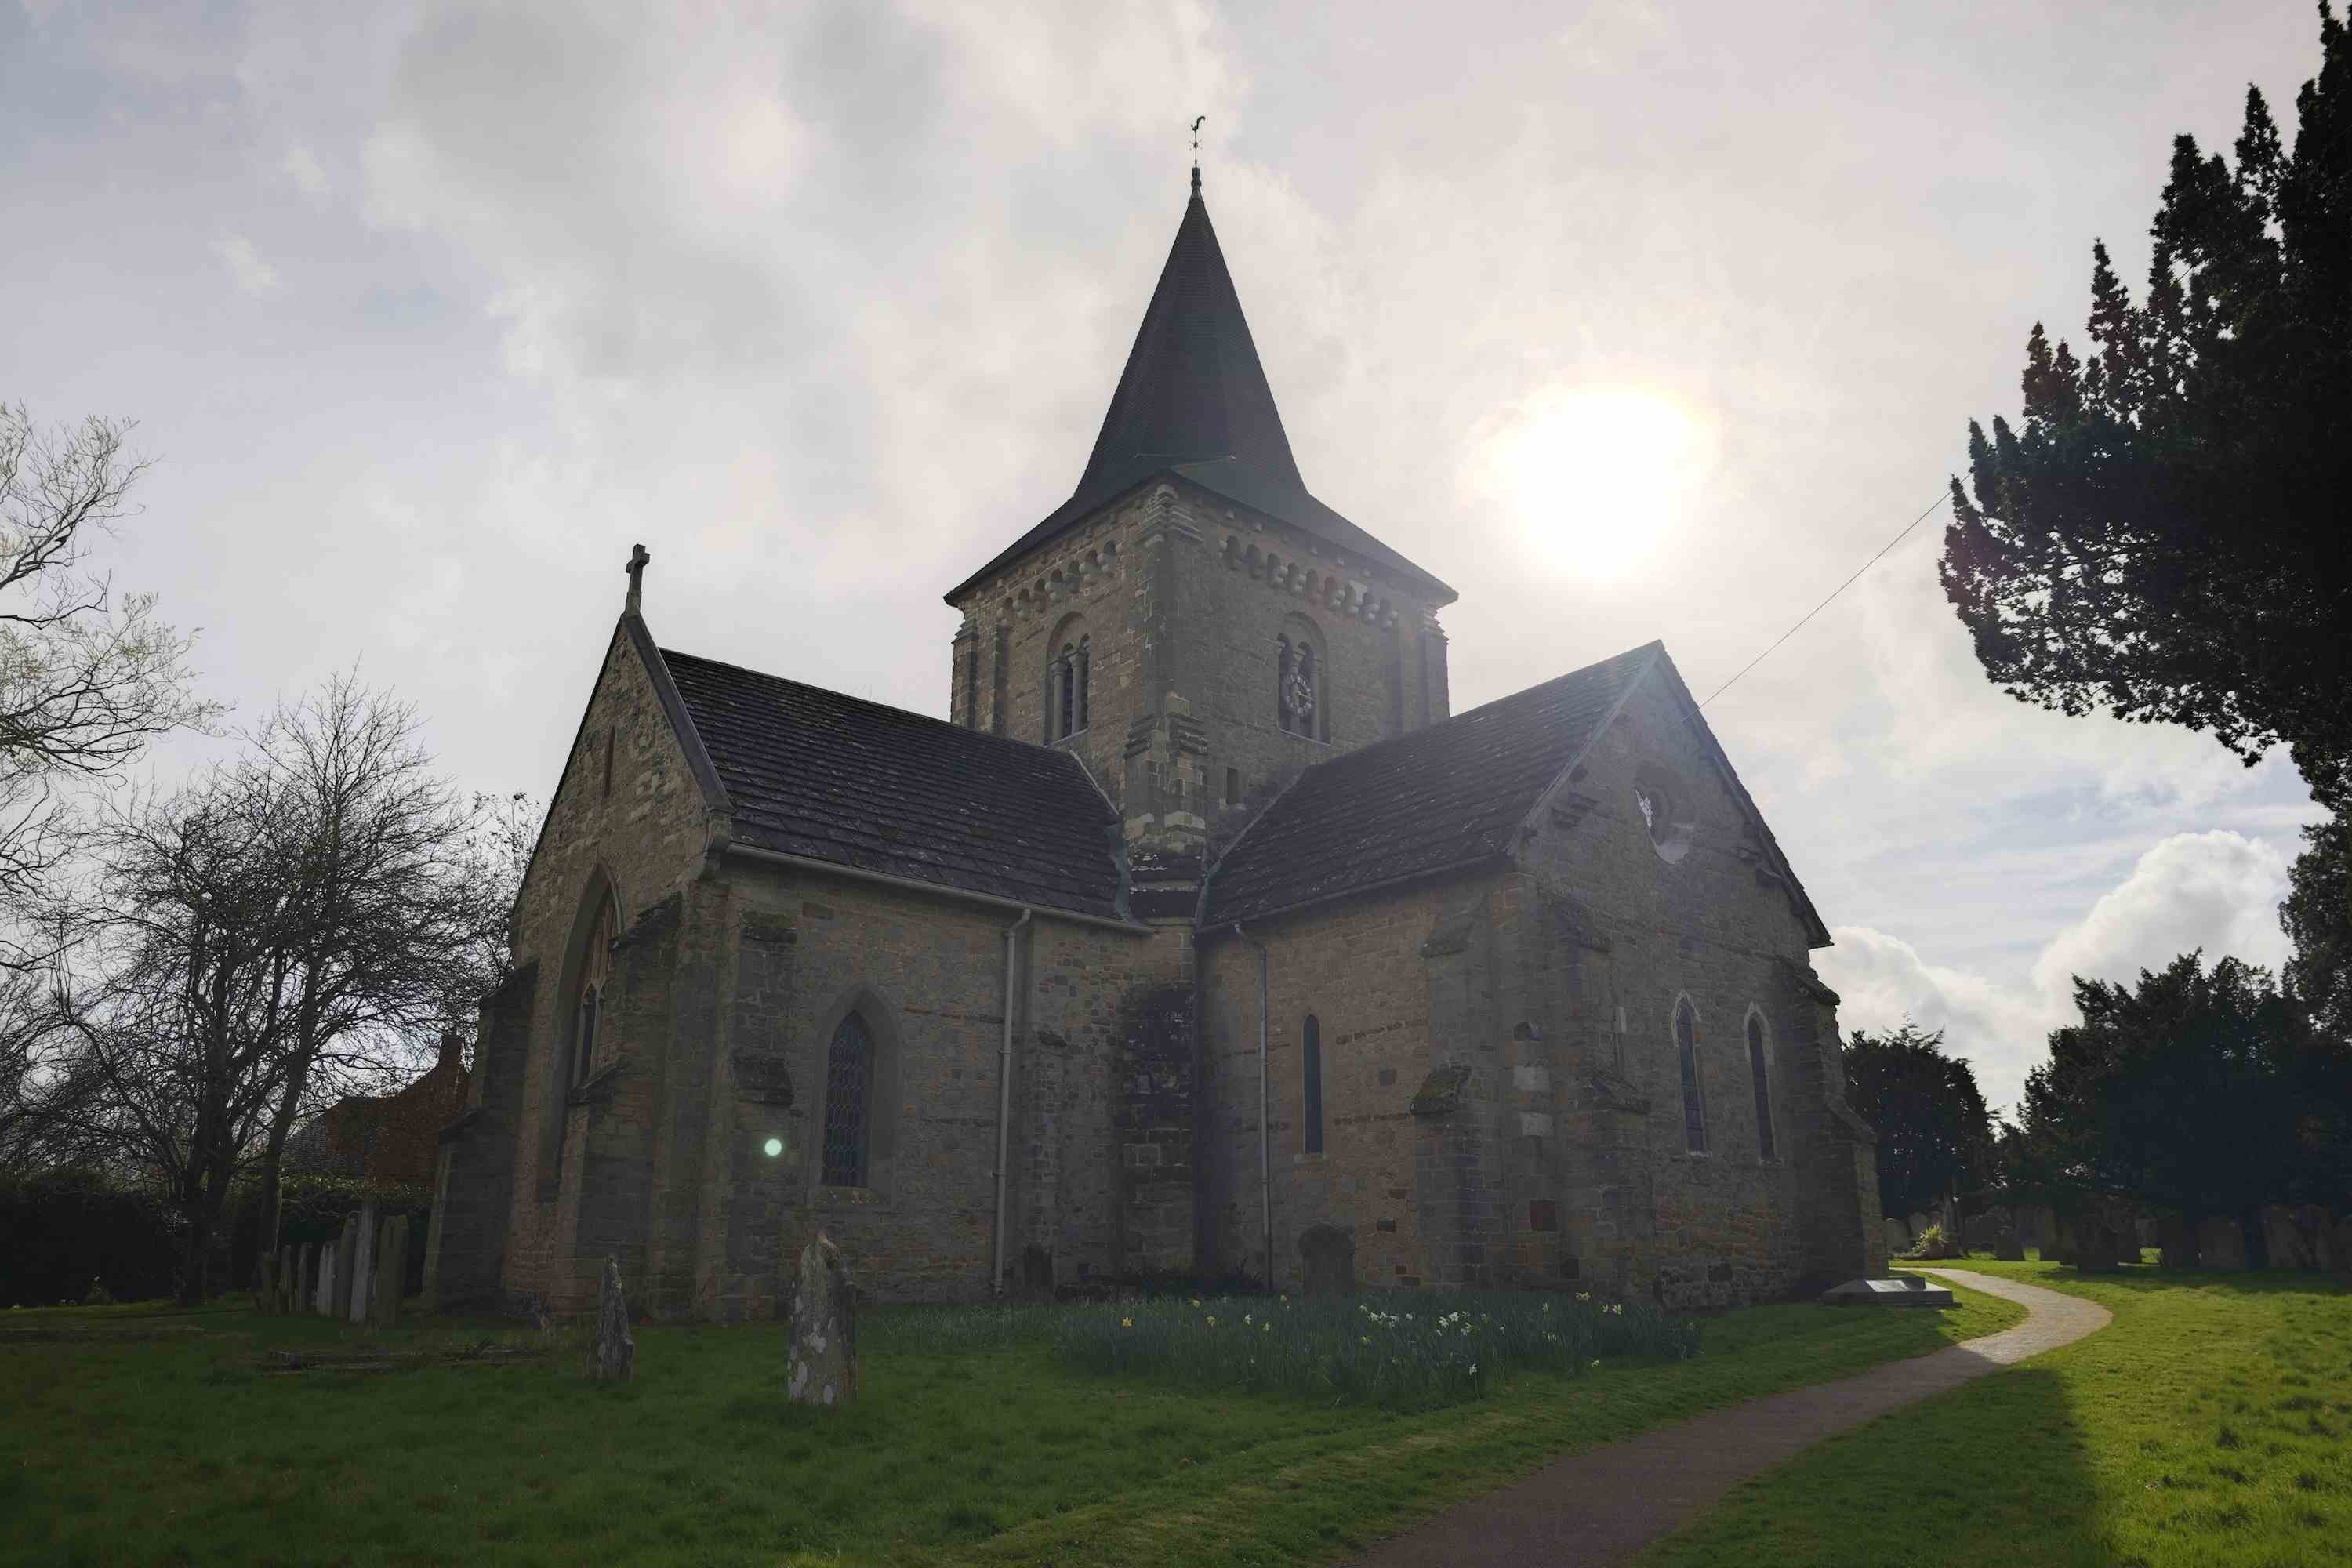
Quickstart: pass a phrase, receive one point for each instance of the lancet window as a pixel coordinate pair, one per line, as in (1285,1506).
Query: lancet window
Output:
(848,1096)
(1687,1059)
(1067,684)
(1312,1115)
(588,1003)
(1760,1073)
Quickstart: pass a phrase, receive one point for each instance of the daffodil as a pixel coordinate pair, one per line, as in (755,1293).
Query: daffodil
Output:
(1584,1295)
(1126,1322)
(1365,1339)
(1213,1320)
(1196,1300)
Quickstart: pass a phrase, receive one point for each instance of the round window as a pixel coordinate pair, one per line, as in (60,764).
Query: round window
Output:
(1669,827)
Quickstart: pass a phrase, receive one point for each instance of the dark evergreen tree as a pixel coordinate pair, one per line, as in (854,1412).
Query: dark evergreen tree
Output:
(2317,917)
(1935,1137)
(2207,1092)
(2164,537)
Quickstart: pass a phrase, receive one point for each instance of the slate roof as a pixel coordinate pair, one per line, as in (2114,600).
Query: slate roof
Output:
(1446,796)
(1194,402)
(836,778)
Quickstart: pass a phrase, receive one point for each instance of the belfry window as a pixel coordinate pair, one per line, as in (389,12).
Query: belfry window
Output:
(1312,1115)
(588,1003)
(1758,1070)
(1687,1059)
(848,1083)
(1066,689)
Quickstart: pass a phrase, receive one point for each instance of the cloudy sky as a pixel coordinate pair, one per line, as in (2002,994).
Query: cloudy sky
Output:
(1628,320)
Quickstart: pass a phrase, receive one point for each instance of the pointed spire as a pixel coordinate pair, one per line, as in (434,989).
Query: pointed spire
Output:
(1193,390)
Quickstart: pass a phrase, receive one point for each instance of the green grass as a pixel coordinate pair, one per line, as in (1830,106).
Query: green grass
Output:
(971,1442)
(2210,1424)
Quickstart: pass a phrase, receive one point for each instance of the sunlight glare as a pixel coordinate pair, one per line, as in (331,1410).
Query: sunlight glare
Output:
(1594,477)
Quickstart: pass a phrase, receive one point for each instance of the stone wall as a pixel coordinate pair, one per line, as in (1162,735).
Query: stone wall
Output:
(1643,925)
(627,812)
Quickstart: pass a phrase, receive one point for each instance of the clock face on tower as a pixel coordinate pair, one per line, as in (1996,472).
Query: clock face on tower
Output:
(1298,697)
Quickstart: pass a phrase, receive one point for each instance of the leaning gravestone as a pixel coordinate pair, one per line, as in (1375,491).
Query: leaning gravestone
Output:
(613,1355)
(822,1366)
(363,1264)
(391,1272)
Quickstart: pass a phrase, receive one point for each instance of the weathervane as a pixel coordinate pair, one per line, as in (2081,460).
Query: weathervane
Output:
(1196,152)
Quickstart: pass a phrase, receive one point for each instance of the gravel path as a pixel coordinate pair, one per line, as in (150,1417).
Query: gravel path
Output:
(1605,1504)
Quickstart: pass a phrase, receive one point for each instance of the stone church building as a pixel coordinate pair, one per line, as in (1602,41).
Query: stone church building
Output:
(1203,939)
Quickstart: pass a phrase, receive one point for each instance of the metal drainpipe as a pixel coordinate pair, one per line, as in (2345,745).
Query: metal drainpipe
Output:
(1264,1155)
(1004,1094)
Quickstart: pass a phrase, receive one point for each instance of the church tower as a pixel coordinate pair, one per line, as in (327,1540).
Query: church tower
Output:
(1192,623)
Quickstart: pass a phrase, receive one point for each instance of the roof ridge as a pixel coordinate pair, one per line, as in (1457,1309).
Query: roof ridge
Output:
(890,708)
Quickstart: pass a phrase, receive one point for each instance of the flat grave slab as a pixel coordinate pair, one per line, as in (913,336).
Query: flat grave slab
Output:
(1912,1291)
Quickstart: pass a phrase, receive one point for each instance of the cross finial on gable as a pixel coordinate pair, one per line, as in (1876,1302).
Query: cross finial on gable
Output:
(637,570)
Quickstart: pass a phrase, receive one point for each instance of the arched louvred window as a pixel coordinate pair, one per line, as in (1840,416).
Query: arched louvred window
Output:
(588,1001)
(848,1085)
(1758,1072)
(1687,1057)
(1312,1116)
(1079,679)
(1309,690)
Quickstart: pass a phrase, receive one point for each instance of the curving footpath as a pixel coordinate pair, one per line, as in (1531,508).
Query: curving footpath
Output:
(1605,1504)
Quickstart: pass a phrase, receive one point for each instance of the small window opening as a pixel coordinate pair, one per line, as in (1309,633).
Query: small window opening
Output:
(608,764)
(1313,1114)
(1233,786)
(1757,1069)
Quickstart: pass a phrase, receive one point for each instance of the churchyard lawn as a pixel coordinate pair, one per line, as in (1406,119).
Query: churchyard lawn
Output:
(973,1442)
(2210,1423)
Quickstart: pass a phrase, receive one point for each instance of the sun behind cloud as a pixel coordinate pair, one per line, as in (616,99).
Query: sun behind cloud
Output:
(1596,476)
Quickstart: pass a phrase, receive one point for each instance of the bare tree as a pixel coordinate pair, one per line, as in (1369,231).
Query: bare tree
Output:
(395,913)
(87,677)
(178,1002)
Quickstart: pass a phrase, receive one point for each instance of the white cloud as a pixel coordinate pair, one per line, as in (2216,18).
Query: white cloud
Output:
(245,265)
(2216,892)
(302,166)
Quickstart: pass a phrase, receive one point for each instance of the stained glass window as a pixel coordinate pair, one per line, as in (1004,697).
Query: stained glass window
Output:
(848,1078)
(1687,1053)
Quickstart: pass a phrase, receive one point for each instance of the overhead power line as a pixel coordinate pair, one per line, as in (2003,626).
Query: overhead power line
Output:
(1817,609)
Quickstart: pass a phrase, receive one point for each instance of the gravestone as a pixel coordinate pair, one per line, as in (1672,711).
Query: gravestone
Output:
(363,1263)
(1919,1222)
(2058,1242)
(306,1278)
(613,1355)
(1898,1239)
(822,1366)
(2098,1244)
(391,1272)
(347,1252)
(2177,1238)
(1982,1232)
(1330,1252)
(265,1284)
(2221,1243)
(2007,1246)
(325,1302)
